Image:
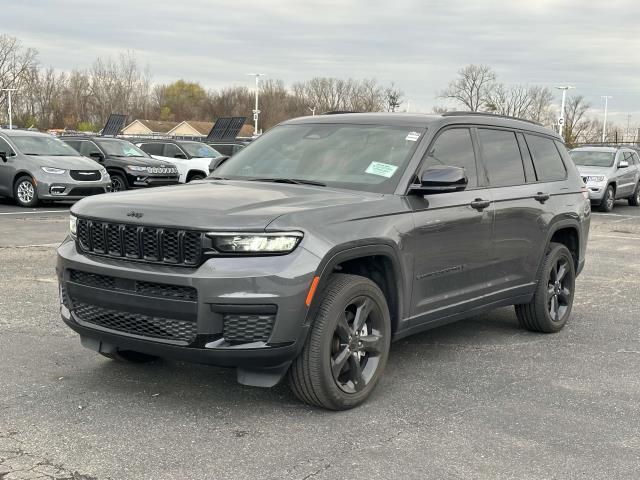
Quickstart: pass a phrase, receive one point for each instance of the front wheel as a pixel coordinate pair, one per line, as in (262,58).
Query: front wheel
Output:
(195,177)
(609,199)
(118,182)
(551,306)
(634,200)
(348,345)
(25,192)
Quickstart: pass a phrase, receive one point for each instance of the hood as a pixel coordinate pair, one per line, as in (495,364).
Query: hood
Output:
(67,162)
(590,170)
(216,204)
(143,161)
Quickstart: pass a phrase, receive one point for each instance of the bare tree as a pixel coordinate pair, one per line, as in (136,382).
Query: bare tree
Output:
(472,86)
(16,62)
(577,126)
(393,97)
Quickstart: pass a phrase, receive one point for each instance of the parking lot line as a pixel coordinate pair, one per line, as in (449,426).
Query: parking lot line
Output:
(614,236)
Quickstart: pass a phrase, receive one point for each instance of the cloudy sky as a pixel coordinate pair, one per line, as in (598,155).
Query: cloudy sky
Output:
(592,45)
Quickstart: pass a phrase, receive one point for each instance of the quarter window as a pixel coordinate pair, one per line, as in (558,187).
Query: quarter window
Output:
(546,159)
(502,158)
(454,148)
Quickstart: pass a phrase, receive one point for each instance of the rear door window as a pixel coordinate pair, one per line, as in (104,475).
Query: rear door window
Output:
(546,158)
(501,156)
(454,147)
(152,148)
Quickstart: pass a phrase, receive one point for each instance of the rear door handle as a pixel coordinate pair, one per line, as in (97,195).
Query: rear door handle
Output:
(541,197)
(480,204)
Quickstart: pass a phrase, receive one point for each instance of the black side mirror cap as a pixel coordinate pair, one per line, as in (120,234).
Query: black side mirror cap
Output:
(441,179)
(97,156)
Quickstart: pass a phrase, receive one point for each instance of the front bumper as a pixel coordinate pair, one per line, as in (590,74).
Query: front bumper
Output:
(241,285)
(63,187)
(145,180)
(596,192)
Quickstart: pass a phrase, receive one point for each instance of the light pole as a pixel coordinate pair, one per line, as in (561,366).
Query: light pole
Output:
(312,110)
(604,124)
(9,90)
(256,112)
(564,96)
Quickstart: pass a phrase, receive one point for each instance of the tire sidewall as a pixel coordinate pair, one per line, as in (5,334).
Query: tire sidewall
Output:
(34,200)
(324,328)
(121,179)
(609,193)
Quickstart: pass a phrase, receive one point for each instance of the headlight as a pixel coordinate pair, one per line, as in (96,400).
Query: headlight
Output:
(596,179)
(103,171)
(73,225)
(137,168)
(55,171)
(279,242)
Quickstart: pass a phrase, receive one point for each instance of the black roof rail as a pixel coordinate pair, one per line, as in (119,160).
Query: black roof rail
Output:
(488,114)
(338,112)
(607,144)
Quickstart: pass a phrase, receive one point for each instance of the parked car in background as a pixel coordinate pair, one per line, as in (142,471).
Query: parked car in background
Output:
(610,173)
(315,247)
(128,166)
(228,148)
(193,159)
(36,166)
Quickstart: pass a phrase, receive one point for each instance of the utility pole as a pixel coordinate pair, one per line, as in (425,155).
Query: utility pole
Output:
(627,134)
(9,90)
(604,124)
(256,111)
(312,110)
(564,89)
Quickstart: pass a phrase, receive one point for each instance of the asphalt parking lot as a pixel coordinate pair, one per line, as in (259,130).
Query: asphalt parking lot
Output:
(477,399)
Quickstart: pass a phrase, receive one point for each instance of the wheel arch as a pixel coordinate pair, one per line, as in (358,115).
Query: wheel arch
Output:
(378,262)
(16,176)
(566,232)
(193,172)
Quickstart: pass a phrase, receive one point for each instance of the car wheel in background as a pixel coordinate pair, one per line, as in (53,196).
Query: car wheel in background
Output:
(195,177)
(347,348)
(118,182)
(551,305)
(130,356)
(609,199)
(25,192)
(634,200)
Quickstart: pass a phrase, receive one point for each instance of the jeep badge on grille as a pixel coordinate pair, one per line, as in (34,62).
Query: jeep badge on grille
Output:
(135,214)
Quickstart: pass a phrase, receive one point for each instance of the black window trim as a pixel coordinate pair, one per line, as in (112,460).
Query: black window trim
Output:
(515,134)
(177,145)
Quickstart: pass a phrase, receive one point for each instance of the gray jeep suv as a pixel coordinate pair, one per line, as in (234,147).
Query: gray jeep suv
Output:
(610,173)
(36,166)
(319,243)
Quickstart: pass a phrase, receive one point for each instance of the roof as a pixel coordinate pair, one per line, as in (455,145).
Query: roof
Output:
(155,126)
(202,127)
(595,148)
(17,132)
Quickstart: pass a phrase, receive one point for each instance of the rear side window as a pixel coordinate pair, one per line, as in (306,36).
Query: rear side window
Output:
(546,159)
(454,148)
(502,158)
(152,148)
(635,158)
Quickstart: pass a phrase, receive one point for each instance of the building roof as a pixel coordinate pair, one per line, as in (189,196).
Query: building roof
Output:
(203,127)
(155,126)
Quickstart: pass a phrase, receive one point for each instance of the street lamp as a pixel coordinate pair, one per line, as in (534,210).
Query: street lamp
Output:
(9,90)
(564,95)
(256,112)
(312,110)
(604,124)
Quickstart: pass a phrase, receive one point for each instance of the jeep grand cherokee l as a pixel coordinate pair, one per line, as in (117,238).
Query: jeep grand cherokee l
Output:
(128,166)
(36,166)
(311,249)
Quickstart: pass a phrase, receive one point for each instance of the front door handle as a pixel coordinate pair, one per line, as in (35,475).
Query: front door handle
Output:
(541,197)
(480,204)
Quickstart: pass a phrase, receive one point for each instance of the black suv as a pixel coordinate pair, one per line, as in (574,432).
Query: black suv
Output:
(128,166)
(311,249)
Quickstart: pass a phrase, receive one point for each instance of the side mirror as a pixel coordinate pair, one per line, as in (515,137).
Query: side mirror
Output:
(623,164)
(3,156)
(97,156)
(441,179)
(216,162)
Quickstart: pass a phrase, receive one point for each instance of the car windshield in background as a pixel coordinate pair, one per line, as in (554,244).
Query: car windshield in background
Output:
(42,145)
(120,148)
(200,150)
(588,158)
(359,157)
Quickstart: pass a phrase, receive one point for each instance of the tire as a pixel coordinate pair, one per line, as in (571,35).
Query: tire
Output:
(358,357)
(634,200)
(609,199)
(25,192)
(118,182)
(129,356)
(554,293)
(196,176)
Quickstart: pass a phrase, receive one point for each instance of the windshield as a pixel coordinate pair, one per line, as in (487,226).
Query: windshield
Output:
(199,150)
(120,148)
(359,157)
(590,158)
(42,145)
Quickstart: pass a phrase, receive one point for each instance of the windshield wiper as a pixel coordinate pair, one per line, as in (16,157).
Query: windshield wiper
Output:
(296,181)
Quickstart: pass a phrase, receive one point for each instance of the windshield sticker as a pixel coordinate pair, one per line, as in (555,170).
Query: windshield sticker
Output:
(381,169)
(412,136)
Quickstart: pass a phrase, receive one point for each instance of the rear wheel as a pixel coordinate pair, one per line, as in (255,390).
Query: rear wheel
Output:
(634,200)
(25,192)
(130,356)
(118,182)
(553,298)
(609,199)
(348,346)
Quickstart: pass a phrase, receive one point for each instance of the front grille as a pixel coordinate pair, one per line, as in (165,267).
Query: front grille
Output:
(148,289)
(150,244)
(85,175)
(135,323)
(247,328)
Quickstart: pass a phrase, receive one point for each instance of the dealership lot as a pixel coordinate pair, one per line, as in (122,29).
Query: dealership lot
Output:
(477,399)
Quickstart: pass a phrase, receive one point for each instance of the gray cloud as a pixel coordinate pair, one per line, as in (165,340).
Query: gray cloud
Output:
(417,44)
